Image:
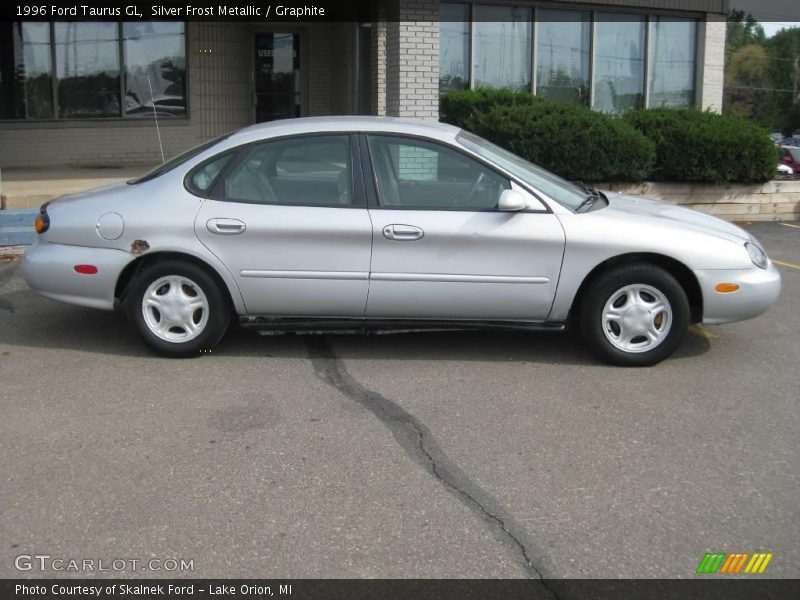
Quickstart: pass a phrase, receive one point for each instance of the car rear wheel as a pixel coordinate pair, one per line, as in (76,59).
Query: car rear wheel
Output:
(634,315)
(178,308)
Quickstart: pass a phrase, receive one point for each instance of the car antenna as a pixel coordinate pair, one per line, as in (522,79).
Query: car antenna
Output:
(155,116)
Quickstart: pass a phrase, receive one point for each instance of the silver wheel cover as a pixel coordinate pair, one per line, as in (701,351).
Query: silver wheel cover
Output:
(175,308)
(637,318)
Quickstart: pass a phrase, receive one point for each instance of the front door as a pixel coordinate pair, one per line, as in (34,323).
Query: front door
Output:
(441,249)
(277,76)
(286,221)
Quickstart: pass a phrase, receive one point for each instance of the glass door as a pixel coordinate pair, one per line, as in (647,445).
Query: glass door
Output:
(277,76)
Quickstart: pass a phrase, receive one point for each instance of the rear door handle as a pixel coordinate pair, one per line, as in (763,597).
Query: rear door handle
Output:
(402,233)
(226,226)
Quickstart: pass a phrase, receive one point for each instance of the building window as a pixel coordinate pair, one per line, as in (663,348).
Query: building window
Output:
(26,71)
(563,55)
(503,46)
(619,60)
(155,68)
(87,69)
(673,50)
(453,47)
(73,70)
(584,56)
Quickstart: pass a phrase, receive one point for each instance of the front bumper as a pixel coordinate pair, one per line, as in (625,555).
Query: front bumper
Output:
(49,269)
(758,290)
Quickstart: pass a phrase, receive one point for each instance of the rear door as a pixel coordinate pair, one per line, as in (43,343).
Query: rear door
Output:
(441,249)
(288,219)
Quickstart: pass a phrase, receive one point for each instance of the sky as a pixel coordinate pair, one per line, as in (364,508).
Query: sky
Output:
(774,15)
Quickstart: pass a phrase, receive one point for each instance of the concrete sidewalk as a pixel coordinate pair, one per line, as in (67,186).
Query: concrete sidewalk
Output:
(29,188)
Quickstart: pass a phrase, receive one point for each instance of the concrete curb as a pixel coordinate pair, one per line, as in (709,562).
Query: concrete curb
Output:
(16,227)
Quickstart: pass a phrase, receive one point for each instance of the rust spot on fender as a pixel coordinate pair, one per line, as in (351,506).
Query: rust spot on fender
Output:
(139,246)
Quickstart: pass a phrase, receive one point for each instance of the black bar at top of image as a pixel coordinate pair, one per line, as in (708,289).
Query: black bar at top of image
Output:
(281,11)
(399,589)
(286,11)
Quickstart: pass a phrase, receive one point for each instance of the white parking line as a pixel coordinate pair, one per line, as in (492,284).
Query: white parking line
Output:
(785,264)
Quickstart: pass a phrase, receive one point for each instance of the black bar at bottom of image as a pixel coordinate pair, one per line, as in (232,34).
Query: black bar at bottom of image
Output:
(400,589)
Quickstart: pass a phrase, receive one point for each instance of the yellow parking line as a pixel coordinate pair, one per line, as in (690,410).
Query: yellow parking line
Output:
(790,225)
(785,264)
(700,332)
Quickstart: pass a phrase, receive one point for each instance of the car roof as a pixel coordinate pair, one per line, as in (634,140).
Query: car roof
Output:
(302,125)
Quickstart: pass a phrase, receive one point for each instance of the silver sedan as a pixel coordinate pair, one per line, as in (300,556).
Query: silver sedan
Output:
(358,222)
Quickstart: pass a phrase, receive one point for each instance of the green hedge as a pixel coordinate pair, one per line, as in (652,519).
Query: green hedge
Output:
(693,145)
(575,142)
(459,105)
(567,139)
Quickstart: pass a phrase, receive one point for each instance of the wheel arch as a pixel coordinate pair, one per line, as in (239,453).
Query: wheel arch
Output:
(683,274)
(135,266)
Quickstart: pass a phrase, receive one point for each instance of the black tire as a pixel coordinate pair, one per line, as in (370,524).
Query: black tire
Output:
(211,326)
(613,283)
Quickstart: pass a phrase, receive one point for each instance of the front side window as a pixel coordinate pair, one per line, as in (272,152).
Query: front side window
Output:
(562,191)
(417,174)
(308,170)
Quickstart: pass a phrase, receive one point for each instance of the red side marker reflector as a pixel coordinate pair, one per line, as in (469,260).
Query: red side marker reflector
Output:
(86,269)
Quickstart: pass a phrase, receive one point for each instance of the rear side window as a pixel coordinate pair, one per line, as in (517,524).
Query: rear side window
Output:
(177,161)
(203,178)
(308,170)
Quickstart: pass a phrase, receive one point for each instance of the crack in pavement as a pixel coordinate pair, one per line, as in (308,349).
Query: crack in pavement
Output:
(418,442)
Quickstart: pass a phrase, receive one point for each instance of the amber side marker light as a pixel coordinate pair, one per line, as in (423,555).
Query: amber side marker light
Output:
(86,269)
(726,288)
(41,223)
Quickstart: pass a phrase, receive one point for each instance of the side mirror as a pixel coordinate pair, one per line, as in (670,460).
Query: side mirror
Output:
(511,201)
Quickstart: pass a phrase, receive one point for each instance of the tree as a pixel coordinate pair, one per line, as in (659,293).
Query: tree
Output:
(762,75)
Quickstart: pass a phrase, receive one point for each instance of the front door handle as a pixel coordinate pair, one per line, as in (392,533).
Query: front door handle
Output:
(402,233)
(225,226)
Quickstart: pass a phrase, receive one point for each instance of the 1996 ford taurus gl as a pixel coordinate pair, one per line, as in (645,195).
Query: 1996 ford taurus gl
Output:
(359,222)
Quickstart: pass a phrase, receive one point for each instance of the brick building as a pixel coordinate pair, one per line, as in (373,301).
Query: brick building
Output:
(84,94)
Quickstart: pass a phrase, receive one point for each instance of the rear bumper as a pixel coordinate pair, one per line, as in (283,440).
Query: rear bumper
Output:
(758,291)
(49,269)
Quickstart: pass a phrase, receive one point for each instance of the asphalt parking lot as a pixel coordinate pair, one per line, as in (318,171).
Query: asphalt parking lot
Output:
(461,454)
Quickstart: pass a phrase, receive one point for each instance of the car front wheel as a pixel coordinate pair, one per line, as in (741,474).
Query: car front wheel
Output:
(178,308)
(634,315)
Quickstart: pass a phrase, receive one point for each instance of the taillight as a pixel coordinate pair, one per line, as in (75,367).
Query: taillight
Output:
(42,221)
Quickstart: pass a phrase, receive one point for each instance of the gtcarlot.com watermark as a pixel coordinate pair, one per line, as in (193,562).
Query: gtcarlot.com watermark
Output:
(47,563)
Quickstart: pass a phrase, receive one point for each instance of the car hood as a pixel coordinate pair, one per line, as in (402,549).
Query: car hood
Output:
(677,215)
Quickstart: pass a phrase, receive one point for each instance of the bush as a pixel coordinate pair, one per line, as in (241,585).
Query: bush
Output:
(693,145)
(457,106)
(567,139)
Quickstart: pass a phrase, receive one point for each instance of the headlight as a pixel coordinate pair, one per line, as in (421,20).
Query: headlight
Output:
(757,255)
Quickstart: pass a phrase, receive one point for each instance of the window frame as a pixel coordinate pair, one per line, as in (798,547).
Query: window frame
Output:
(372,187)
(123,80)
(217,190)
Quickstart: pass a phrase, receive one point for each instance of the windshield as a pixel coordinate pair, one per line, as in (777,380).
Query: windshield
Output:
(795,152)
(560,190)
(177,161)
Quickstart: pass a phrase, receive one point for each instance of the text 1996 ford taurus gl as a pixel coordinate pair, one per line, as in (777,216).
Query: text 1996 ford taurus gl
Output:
(358,222)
